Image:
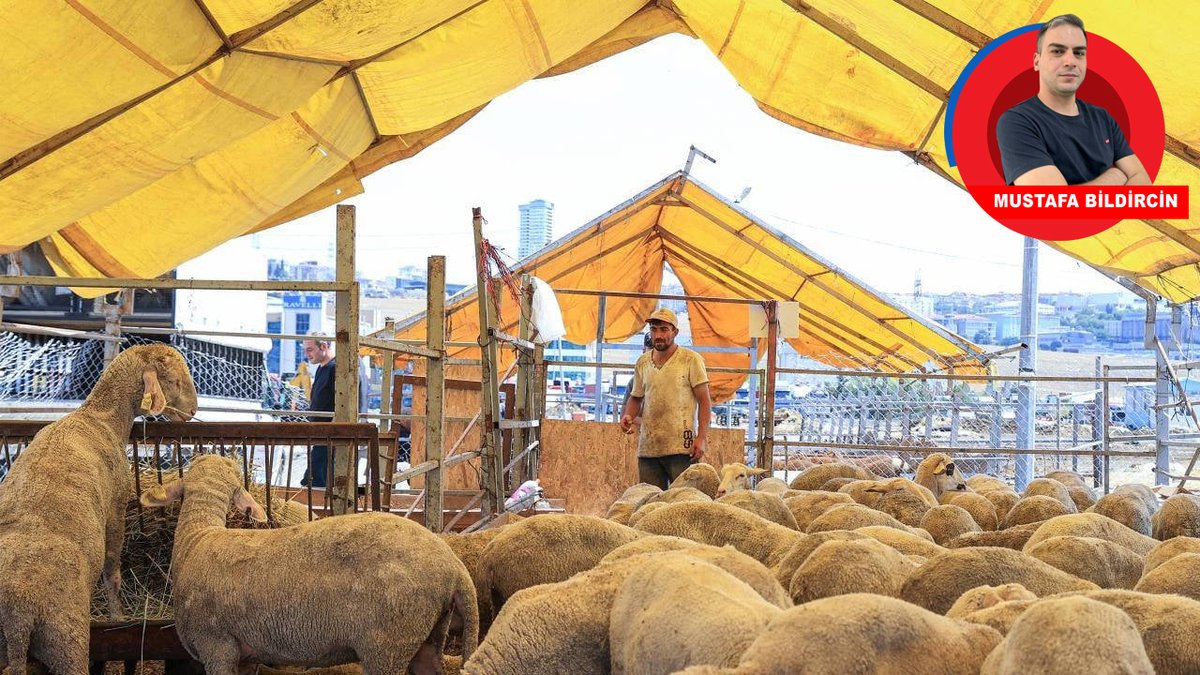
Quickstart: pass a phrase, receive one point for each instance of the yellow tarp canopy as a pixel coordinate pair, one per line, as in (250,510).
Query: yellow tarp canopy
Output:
(137,135)
(716,250)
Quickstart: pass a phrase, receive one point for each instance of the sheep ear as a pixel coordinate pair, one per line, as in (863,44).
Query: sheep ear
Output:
(758,472)
(246,504)
(154,401)
(161,495)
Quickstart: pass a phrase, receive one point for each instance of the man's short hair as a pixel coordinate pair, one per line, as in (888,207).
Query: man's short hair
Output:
(647,341)
(318,338)
(1060,20)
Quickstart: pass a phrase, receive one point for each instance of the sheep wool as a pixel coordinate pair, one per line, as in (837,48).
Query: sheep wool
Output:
(843,567)
(677,611)
(906,507)
(1064,636)
(398,585)
(1047,487)
(702,476)
(982,597)
(1130,505)
(1014,537)
(940,581)
(948,521)
(1035,508)
(807,505)
(1179,516)
(1168,624)
(1101,562)
(850,517)
(1092,525)
(908,543)
(1169,549)
(814,478)
(629,501)
(63,504)
(720,524)
(799,552)
(766,505)
(982,510)
(1179,575)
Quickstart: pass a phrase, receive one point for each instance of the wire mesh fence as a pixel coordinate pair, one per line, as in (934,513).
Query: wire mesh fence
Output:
(40,369)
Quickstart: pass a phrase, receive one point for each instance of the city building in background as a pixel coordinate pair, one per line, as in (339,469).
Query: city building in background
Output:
(537,224)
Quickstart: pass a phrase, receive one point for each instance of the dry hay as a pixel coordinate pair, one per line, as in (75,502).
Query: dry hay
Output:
(149,538)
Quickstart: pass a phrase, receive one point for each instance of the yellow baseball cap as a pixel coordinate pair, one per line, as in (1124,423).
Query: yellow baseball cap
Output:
(665,315)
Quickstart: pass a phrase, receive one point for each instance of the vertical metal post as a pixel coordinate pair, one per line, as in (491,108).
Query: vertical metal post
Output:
(385,381)
(1075,416)
(1058,430)
(1162,397)
(435,382)
(994,437)
(598,413)
(752,400)
(1107,404)
(1099,423)
(345,373)
(489,462)
(767,458)
(1027,390)
(525,391)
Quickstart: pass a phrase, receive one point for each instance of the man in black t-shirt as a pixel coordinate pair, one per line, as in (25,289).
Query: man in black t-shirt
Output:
(1056,139)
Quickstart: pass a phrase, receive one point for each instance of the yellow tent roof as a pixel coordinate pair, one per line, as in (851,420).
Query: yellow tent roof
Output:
(190,122)
(717,250)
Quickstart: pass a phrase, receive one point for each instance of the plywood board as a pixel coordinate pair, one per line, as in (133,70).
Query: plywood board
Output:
(457,402)
(589,464)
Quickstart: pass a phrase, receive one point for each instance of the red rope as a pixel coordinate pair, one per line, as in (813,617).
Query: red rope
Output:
(490,258)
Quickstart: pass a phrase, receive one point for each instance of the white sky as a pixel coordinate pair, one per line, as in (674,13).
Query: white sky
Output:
(592,139)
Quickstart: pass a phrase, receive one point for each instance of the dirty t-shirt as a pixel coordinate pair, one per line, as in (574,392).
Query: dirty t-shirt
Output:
(668,404)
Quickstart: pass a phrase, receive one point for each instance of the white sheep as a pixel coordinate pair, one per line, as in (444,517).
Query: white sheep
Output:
(947,521)
(1013,537)
(806,505)
(1169,549)
(1131,505)
(629,501)
(1092,525)
(1179,516)
(843,567)
(1180,575)
(701,475)
(1048,487)
(815,477)
(1104,563)
(795,556)
(1067,636)
(766,505)
(676,611)
(916,542)
(377,588)
(62,509)
(940,581)
(982,510)
(720,524)
(1034,509)
(983,597)
(939,474)
(736,476)
(864,633)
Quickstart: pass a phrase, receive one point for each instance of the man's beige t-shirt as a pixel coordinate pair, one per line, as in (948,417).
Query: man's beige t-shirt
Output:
(668,404)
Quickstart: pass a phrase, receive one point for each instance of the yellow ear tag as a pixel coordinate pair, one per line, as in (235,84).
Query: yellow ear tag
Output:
(147,401)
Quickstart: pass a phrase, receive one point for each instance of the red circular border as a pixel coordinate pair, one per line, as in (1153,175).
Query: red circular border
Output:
(1006,77)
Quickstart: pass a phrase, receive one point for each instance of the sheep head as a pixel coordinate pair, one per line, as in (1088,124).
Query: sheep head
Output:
(211,471)
(736,477)
(167,385)
(939,473)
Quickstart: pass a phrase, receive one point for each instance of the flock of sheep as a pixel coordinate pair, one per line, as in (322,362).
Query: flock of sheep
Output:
(839,571)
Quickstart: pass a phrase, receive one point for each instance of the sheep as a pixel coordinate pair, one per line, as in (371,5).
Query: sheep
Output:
(903,505)
(629,501)
(814,478)
(1070,635)
(1179,575)
(701,475)
(643,511)
(1168,624)
(1050,488)
(908,543)
(397,584)
(938,473)
(469,547)
(1035,509)
(1067,478)
(1002,615)
(981,482)
(1092,525)
(62,509)
(1104,563)
(1013,537)
(676,611)
(947,521)
(865,492)
(865,633)
(555,628)
(1131,505)
(720,524)
(1169,549)
(773,485)
(940,581)
(544,550)
(805,507)
(740,565)
(850,517)
(836,484)
(1179,516)
(1003,500)
(763,504)
(842,567)
(786,567)
(678,494)
(982,511)
(736,477)
(982,597)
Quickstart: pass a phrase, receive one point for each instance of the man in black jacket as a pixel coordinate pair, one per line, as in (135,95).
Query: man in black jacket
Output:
(319,354)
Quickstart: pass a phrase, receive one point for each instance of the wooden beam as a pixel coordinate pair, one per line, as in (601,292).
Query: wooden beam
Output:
(766,458)
(250,34)
(346,367)
(355,65)
(212,22)
(959,28)
(489,466)
(435,341)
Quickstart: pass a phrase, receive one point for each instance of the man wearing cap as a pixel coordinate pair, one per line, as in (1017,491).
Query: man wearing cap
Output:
(669,383)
